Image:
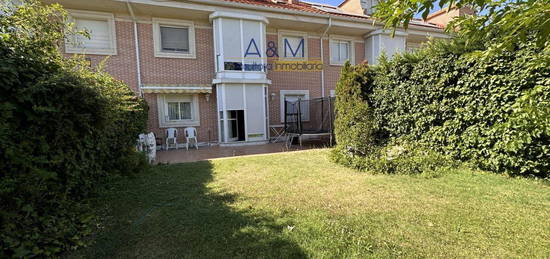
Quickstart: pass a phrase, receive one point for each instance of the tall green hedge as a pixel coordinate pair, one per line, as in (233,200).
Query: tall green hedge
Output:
(354,130)
(492,111)
(64,128)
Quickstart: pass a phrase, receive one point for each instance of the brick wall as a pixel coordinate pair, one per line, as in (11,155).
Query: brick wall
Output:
(201,71)
(155,70)
(306,80)
(123,65)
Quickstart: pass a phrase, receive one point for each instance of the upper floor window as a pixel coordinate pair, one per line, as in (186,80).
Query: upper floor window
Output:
(174,38)
(239,43)
(292,45)
(341,51)
(100,29)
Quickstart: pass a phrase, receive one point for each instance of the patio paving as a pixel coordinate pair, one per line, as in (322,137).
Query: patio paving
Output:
(212,152)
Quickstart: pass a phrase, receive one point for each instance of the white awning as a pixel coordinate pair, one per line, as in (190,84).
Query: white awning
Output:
(193,89)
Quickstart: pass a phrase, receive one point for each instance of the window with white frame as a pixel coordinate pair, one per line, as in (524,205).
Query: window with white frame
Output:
(174,38)
(178,110)
(99,38)
(341,51)
(292,45)
(289,98)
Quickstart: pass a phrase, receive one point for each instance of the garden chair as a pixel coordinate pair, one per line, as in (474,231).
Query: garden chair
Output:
(140,145)
(191,133)
(151,147)
(171,138)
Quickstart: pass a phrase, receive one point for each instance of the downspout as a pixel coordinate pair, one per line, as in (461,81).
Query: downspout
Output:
(322,57)
(136,42)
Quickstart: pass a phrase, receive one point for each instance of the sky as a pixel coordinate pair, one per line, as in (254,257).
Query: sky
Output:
(330,2)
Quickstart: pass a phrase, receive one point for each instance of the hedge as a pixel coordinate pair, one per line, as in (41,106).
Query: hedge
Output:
(491,111)
(64,129)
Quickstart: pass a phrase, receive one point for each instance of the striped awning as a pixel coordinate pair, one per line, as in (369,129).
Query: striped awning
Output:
(171,88)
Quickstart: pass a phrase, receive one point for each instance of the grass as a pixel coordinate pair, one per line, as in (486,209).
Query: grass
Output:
(302,205)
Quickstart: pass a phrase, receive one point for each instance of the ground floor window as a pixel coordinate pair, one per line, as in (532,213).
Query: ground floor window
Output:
(288,96)
(178,110)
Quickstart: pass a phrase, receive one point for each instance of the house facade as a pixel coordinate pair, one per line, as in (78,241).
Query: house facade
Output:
(225,67)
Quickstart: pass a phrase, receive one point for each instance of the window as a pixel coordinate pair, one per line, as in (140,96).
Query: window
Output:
(292,45)
(100,27)
(178,110)
(341,51)
(239,43)
(173,38)
(293,96)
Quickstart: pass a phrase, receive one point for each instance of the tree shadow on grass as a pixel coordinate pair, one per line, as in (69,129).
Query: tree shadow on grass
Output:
(172,213)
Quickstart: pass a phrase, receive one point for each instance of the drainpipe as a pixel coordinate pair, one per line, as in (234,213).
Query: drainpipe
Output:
(322,57)
(136,42)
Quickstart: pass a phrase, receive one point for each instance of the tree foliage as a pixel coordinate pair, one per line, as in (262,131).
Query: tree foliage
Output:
(64,128)
(492,112)
(503,23)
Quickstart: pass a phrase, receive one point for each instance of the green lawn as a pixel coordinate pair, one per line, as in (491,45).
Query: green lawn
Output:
(302,205)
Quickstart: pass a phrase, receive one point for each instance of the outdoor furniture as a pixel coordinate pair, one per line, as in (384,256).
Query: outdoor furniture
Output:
(147,143)
(141,142)
(171,138)
(278,131)
(191,133)
(151,146)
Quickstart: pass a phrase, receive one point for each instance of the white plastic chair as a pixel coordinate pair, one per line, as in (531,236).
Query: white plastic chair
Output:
(141,142)
(171,138)
(151,147)
(191,133)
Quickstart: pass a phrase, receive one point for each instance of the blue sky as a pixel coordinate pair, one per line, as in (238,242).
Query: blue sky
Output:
(330,2)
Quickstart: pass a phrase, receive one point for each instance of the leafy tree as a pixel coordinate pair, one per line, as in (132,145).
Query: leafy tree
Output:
(502,23)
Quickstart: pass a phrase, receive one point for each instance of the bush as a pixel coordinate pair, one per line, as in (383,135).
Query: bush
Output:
(407,158)
(492,111)
(355,134)
(524,139)
(63,130)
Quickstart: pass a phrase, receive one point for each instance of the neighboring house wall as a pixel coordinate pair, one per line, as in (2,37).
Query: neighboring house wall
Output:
(445,16)
(352,6)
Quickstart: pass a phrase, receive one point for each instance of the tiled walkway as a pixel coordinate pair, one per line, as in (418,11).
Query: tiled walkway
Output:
(205,153)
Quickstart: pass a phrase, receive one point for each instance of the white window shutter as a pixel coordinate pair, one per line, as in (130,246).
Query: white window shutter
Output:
(334,55)
(100,36)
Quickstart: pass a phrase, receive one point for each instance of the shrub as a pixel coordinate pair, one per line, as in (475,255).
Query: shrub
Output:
(524,138)
(63,130)
(492,111)
(355,134)
(407,158)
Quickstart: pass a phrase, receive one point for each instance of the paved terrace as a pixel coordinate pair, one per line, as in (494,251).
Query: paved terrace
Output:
(211,152)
